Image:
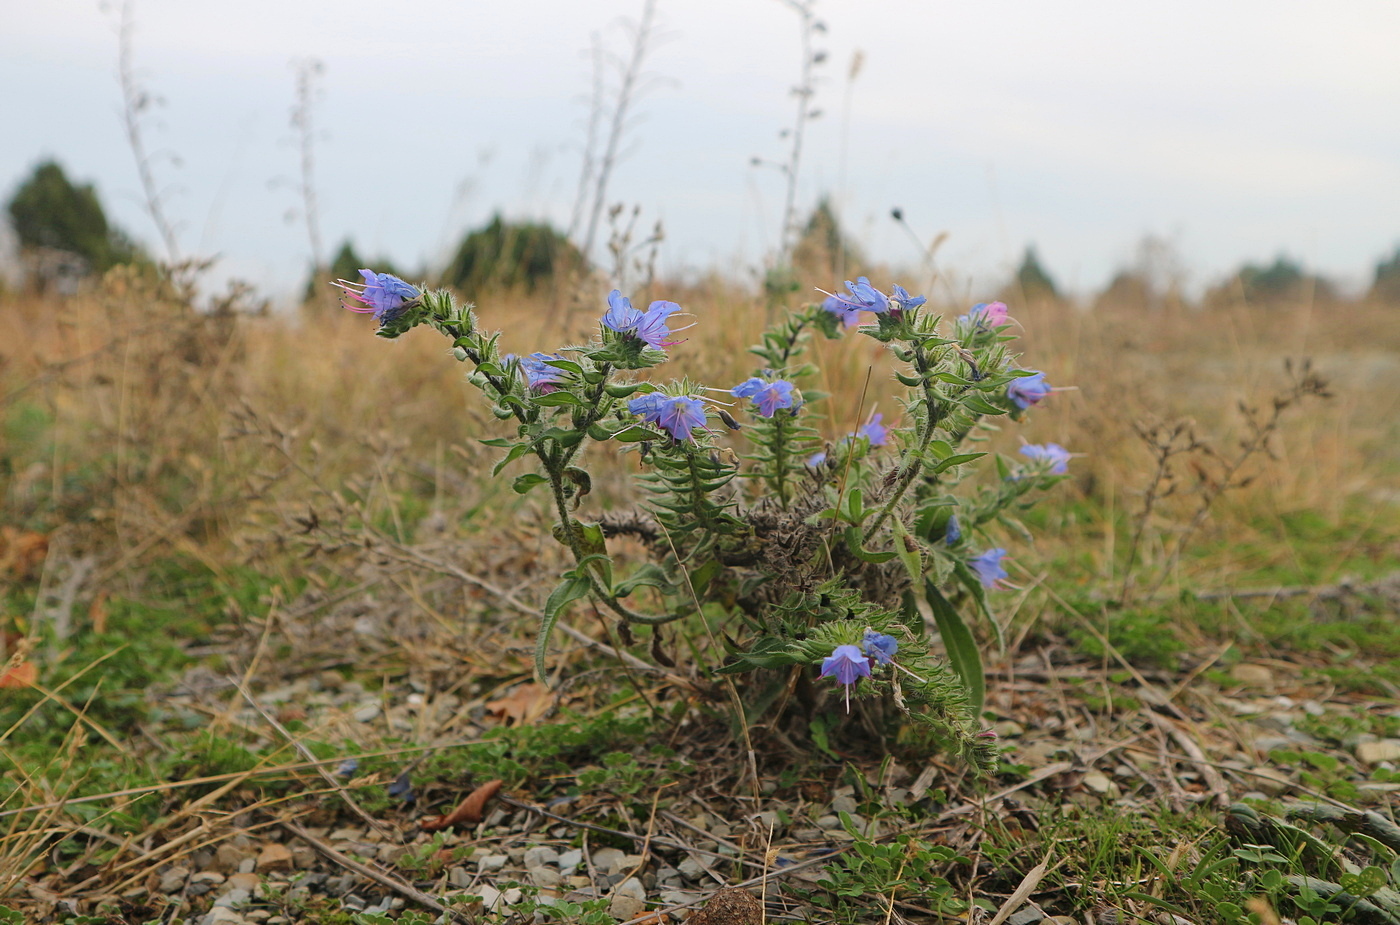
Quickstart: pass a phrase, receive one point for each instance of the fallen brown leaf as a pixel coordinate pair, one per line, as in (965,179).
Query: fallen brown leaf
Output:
(469,810)
(523,705)
(19,674)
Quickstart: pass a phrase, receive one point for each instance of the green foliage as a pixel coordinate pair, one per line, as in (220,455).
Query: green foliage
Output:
(1283,279)
(906,868)
(49,211)
(345,265)
(798,557)
(507,255)
(1032,279)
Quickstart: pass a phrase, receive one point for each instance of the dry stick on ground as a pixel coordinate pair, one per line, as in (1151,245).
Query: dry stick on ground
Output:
(302,750)
(404,889)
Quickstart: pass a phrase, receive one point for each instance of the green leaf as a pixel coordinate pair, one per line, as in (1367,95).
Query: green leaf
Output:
(558,398)
(853,543)
(516,451)
(907,548)
(568,366)
(651,575)
(523,483)
(954,461)
(981,405)
(571,590)
(961,646)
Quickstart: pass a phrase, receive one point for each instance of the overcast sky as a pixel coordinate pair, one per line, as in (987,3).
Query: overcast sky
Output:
(1235,130)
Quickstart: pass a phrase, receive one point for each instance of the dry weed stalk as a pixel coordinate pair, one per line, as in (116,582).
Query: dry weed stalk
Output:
(1215,472)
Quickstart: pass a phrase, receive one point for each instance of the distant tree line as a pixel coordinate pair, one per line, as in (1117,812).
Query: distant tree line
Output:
(60,224)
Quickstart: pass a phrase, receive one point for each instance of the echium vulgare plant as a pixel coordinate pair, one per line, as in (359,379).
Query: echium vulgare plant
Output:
(814,562)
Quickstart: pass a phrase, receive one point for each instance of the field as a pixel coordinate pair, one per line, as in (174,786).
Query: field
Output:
(269,620)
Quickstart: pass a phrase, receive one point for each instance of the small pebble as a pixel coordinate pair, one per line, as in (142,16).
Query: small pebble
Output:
(173,879)
(629,899)
(490,863)
(459,878)
(352,902)
(540,856)
(1376,752)
(604,859)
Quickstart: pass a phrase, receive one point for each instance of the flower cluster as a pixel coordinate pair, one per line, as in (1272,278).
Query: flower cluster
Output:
(769,397)
(1052,454)
(647,326)
(539,374)
(986,315)
(678,415)
(381,294)
(861,296)
(1027,390)
(987,568)
(873,430)
(849,663)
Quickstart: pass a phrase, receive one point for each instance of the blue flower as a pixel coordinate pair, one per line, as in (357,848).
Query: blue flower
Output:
(845,664)
(988,568)
(768,396)
(1053,453)
(347,768)
(952,532)
(649,326)
(381,294)
(848,313)
(1028,390)
(905,300)
(874,431)
(879,646)
(986,315)
(678,415)
(816,459)
(865,296)
(539,374)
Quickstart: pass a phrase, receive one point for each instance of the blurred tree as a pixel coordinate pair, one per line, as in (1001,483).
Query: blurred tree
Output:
(823,248)
(48,211)
(1032,278)
(511,254)
(345,265)
(1386,287)
(1284,279)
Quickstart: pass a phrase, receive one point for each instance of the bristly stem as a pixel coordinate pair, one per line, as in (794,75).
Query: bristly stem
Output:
(913,462)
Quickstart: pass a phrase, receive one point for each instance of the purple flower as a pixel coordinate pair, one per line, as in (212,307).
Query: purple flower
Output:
(1028,390)
(678,415)
(988,568)
(986,315)
(905,300)
(768,396)
(1056,455)
(865,296)
(874,431)
(381,294)
(953,531)
(879,646)
(846,664)
(649,326)
(816,459)
(539,374)
(848,313)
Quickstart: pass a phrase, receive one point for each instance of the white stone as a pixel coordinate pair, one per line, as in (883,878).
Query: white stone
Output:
(1376,752)
(629,899)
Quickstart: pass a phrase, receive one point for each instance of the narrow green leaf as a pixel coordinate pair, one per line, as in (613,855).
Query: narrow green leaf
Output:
(961,646)
(571,590)
(516,451)
(558,398)
(954,461)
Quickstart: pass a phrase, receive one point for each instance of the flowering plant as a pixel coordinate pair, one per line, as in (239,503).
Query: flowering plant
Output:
(819,562)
